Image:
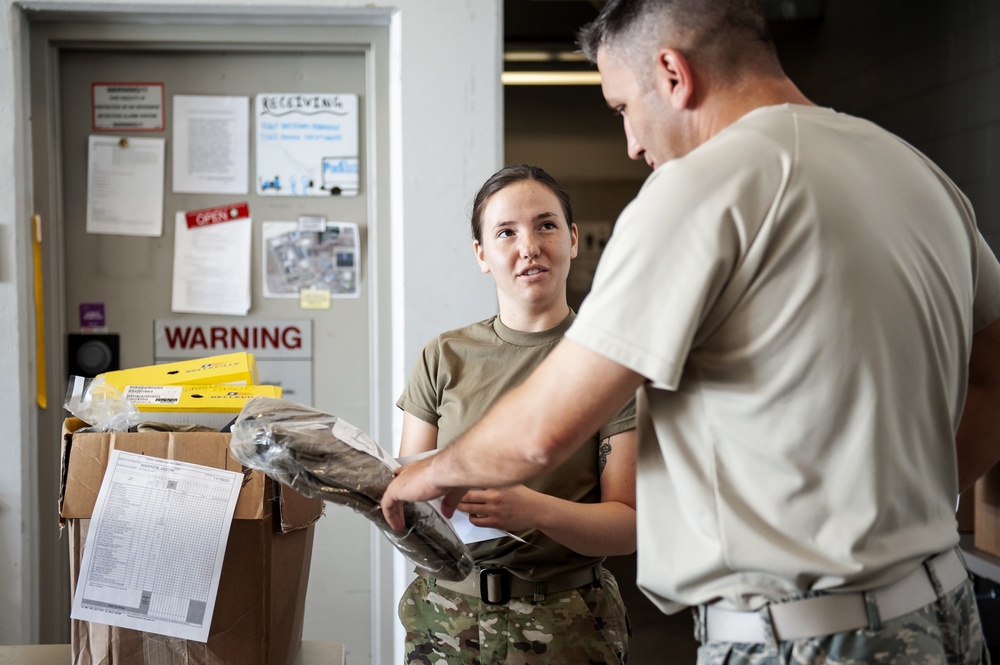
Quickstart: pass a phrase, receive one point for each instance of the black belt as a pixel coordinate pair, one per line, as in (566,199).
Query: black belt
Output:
(495,585)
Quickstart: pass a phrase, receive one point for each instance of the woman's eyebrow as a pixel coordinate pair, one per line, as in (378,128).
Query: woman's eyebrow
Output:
(510,222)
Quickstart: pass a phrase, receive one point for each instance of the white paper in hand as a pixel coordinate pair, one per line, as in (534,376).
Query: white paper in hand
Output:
(466,530)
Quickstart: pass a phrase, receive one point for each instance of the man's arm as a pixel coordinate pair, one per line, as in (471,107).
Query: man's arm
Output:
(978,439)
(531,430)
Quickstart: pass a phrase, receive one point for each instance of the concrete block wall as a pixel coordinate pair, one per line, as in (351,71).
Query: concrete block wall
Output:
(925,70)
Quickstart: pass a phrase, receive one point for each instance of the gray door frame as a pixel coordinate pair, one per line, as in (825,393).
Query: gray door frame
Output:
(364,30)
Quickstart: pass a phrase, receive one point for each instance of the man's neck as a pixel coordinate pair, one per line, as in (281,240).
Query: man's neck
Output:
(726,106)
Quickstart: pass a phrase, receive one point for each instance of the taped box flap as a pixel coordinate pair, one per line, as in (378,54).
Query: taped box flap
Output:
(297,511)
(85,459)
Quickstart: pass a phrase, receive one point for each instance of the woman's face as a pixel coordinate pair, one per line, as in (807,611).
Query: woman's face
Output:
(527,246)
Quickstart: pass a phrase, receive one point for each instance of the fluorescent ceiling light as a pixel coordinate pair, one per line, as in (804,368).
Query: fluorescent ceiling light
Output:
(551,78)
(544,56)
(527,56)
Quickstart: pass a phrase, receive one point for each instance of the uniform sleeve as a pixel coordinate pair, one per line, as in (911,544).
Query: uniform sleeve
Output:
(420,396)
(622,421)
(669,257)
(986,308)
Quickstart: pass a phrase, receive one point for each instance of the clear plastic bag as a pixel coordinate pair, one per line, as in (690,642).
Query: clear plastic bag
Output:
(99,405)
(322,456)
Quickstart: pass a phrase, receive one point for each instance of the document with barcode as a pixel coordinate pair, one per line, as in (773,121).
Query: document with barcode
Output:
(155,545)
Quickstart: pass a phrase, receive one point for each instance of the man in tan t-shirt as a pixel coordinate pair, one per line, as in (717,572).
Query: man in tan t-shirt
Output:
(809,313)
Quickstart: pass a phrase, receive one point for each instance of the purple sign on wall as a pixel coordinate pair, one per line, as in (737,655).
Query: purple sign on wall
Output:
(92,316)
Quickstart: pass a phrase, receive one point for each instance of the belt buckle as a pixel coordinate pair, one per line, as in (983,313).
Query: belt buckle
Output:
(494,586)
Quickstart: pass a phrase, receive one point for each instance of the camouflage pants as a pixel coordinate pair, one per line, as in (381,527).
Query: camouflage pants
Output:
(580,626)
(945,632)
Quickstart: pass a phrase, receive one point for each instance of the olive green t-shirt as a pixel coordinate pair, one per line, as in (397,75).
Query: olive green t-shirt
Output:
(459,375)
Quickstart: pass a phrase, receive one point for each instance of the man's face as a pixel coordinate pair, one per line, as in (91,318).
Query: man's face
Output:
(652,128)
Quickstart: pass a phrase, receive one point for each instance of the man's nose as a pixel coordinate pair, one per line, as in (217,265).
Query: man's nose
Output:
(632,146)
(636,151)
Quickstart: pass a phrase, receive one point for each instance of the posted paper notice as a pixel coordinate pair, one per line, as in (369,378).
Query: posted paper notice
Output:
(154,549)
(211,144)
(125,186)
(212,267)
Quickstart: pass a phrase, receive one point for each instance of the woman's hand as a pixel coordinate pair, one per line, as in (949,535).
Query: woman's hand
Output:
(513,508)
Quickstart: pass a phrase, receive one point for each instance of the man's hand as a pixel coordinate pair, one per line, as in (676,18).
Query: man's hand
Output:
(415,482)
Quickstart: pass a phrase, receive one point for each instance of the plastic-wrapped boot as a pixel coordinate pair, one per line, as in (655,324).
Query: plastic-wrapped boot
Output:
(320,455)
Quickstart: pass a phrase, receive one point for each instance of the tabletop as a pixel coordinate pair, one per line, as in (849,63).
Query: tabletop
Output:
(310,653)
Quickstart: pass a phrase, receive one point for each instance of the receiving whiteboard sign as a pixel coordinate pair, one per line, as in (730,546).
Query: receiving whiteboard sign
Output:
(307,144)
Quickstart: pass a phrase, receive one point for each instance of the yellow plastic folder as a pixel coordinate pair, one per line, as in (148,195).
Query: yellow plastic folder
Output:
(212,406)
(238,369)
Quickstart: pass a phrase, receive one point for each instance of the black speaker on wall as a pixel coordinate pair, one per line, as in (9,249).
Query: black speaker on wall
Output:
(89,354)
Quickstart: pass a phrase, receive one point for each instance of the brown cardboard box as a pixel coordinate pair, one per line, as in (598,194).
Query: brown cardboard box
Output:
(987,536)
(261,599)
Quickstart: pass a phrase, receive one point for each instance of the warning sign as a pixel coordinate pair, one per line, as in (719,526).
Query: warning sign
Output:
(282,348)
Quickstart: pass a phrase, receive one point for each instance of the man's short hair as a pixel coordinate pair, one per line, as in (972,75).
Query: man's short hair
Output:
(726,36)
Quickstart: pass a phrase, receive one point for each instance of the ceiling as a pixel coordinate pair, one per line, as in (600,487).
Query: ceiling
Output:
(551,25)
(533,23)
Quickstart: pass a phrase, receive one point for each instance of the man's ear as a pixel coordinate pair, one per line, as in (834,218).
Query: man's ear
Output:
(480,257)
(674,79)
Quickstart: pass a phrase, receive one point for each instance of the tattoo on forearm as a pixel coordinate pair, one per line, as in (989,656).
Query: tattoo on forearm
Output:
(602,456)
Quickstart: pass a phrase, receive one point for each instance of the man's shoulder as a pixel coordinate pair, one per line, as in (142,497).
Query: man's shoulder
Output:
(749,153)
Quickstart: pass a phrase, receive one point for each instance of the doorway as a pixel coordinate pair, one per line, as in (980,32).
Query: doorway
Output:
(131,275)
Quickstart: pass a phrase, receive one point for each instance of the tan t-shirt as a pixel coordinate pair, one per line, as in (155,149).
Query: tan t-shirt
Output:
(459,375)
(801,292)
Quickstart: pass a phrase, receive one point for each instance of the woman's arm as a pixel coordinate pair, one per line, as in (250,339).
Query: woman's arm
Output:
(516,439)
(418,436)
(592,529)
